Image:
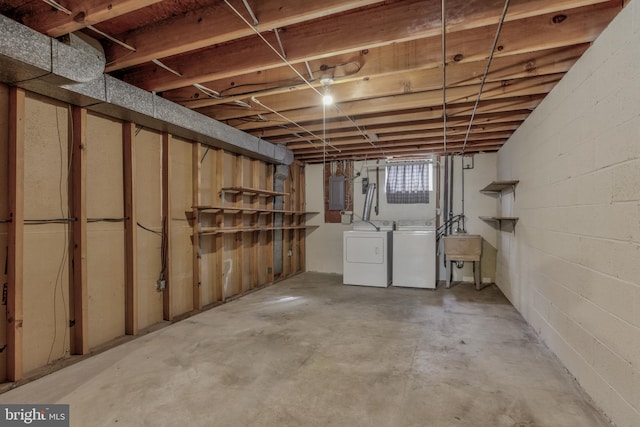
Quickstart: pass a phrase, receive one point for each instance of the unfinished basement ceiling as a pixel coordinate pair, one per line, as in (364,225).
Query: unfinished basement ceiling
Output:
(382,62)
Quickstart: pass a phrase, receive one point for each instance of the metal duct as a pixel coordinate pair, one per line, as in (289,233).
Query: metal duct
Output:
(74,73)
(366,212)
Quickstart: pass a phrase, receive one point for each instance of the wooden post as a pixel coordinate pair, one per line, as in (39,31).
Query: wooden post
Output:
(271,234)
(16,234)
(80,300)
(255,236)
(196,176)
(131,224)
(238,222)
(219,281)
(303,218)
(167,309)
(295,219)
(286,232)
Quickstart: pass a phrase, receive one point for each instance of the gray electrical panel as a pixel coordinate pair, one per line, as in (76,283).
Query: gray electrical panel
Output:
(336,193)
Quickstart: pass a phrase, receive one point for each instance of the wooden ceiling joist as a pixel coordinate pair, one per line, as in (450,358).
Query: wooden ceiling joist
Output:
(427,115)
(396,103)
(56,23)
(452,124)
(414,81)
(397,24)
(385,60)
(216,24)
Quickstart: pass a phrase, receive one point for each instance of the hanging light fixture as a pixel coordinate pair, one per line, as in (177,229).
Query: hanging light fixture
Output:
(326,80)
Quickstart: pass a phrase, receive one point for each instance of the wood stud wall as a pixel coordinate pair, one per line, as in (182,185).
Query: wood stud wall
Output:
(79,300)
(232,236)
(16,234)
(131,235)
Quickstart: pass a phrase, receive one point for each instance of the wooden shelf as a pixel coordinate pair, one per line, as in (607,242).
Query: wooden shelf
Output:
(247,191)
(232,210)
(236,209)
(500,219)
(213,231)
(499,186)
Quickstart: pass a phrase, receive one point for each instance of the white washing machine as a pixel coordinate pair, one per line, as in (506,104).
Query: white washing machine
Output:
(414,254)
(367,252)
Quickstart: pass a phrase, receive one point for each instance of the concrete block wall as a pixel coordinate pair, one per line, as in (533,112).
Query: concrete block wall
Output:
(572,267)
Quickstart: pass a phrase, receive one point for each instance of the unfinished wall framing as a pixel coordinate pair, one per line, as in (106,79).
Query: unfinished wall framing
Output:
(108,228)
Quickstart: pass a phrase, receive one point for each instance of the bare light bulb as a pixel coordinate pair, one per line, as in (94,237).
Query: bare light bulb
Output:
(327,99)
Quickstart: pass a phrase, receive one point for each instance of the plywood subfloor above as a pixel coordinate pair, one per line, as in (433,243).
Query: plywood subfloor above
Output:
(382,61)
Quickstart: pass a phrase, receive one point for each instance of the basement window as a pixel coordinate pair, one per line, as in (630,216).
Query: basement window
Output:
(409,182)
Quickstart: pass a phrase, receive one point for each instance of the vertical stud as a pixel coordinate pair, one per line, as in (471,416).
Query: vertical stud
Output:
(131,239)
(167,308)
(16,234)
(196,176)
(79,301)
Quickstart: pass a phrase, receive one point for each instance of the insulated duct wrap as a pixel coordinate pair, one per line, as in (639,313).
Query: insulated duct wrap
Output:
(73,72)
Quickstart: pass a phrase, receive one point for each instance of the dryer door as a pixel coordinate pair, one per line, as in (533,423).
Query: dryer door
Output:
(365,250)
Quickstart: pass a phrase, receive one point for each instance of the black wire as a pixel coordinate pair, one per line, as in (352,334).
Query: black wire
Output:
(205,154)
(4,221)
(50,221)
(107,219)
(150,230)
(164,248)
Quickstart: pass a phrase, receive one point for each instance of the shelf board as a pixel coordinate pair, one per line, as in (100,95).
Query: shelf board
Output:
(499,218)
(498,186)
(208,232)
(247,191)
(249,211)
(204,231)
(232,210)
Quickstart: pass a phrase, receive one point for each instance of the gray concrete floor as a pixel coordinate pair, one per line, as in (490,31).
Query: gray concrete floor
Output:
(310,351)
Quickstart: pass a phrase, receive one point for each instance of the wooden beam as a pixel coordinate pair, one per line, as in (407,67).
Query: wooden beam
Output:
(400,137)
(392,119)
(238,246)
(416,151)
(131,228)
(196,177)
(303,218)
(389,80)
(80,300)
(408,143)
(270,235)
(193,30)
(167,306)
(396,103)
(217,191)
(55,23)
(294,177)
(456,125)
(255,250)
(386,24)
(16,234)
